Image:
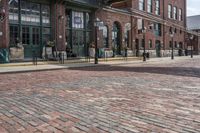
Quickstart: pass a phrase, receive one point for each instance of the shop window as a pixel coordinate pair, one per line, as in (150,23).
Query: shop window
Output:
(14,35)
(105,36)
(30,12)
(46,35)
(45,14)
(26,35)
(13,10)
(88,21)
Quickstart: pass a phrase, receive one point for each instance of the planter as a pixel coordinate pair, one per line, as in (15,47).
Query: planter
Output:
(17,53)
(92,52)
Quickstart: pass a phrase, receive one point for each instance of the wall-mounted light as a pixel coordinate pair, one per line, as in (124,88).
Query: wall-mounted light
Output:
(61,17)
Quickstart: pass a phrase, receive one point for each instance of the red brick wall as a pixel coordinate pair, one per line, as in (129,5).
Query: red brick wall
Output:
(4,39)
(165,38)
(58,24)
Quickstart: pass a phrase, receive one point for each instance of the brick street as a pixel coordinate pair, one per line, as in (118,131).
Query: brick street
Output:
(128,98)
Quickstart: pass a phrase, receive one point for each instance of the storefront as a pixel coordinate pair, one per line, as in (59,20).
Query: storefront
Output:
(78,31)
(29,23)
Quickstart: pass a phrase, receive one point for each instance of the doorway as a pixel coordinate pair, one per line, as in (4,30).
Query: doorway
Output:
(158,48)
(116,38)
(78,45)
(31,41)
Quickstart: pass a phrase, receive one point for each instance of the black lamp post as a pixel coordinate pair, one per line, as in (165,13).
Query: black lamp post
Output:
(144,52)
(97,24)
(172,45)
(191,39)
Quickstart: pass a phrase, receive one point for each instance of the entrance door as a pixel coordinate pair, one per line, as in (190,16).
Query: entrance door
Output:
(116,38)
(158,49)
(31,41)
(78,42)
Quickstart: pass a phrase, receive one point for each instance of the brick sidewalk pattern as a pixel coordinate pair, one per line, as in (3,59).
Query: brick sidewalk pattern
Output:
(143,98)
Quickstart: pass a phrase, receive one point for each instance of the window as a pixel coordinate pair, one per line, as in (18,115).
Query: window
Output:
(157,10)
(150,44)
(140,24)
(77,20)
(46,35)
(157,29)
(25,35)
(149,6)
(14,10)
(30,13)
(105,36)
(88,21)
(169,11)
(45,15)
(170,44)
(180,16)
(141,5)
(175,44)
(14,35)
(36,36)
(142,43)
(175,13)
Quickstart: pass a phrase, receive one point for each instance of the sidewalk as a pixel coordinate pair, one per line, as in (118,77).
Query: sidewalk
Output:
(28,67)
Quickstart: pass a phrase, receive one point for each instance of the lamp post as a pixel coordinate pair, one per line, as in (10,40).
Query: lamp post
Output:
(172,45)
(97,24)
(191,39)
(144,52)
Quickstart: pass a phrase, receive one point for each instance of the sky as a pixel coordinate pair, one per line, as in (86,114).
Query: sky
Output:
(193,7)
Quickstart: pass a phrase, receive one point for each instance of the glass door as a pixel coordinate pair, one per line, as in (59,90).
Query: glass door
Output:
(31,41)
(78,43)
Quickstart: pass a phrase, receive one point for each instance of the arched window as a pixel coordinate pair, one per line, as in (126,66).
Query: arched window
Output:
(105,36)
(13,10)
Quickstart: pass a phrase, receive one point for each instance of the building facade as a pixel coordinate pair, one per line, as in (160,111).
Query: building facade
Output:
(137,25)
(192,37)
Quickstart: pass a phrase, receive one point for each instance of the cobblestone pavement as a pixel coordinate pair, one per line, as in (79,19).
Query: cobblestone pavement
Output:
(129,98)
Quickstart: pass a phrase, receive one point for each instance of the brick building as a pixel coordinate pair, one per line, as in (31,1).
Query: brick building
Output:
(136,25)
(192,37)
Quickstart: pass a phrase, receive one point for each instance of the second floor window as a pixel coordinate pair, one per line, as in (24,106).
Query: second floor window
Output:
(157,29)
(180,16)
(149,6)
(157,10)
(141,5)
(169,11)
(175,12)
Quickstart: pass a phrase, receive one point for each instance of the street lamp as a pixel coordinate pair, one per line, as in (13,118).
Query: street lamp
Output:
(144,53)
(172,45)
(97,24)
(191,39)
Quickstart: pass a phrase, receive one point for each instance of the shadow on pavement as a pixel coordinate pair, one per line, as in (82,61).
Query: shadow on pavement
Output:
(177,71)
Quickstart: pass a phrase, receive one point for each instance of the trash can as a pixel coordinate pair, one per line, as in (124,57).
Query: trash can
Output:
(147,55)
(4,56)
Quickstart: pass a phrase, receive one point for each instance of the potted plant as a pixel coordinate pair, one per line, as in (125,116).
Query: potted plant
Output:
(92,49)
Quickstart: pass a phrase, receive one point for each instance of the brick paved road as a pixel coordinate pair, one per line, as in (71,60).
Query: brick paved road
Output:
(142,98)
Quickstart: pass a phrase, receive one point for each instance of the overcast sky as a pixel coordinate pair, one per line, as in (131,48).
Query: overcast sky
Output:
(193,7)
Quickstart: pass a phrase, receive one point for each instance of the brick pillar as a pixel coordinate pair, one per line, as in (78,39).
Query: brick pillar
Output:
(58,22)
(4,29)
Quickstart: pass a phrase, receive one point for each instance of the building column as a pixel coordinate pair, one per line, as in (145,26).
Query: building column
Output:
(58,24)
(4,29)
